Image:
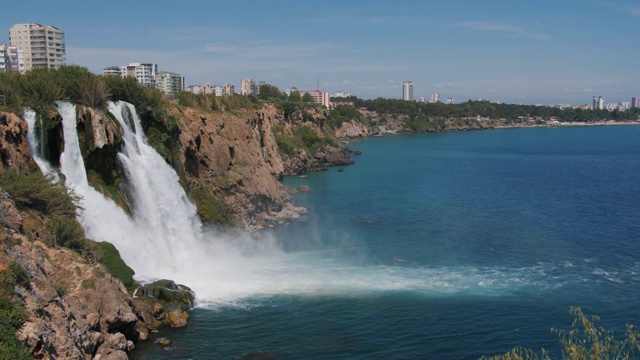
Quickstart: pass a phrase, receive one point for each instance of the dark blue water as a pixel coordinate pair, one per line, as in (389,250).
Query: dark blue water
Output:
(446,246)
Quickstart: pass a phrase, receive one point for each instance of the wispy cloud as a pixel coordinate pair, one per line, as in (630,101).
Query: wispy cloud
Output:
(511,30)
(633,10)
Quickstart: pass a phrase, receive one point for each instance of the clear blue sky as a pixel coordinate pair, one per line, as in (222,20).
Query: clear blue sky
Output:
(549,52)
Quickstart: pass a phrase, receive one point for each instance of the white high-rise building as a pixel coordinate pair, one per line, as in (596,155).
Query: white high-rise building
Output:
(42,45)
(11,58)
(407,90)
(247,86)
(435,97)
(145,73)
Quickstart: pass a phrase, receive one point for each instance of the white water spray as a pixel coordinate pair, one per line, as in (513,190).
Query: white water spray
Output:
(164,238)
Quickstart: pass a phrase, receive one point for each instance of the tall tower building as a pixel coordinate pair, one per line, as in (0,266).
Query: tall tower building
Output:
(407,90)
(635,102)
(42,46)
(600,103)
(594,104)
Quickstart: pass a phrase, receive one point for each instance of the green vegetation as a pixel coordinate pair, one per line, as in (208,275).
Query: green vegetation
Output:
(12,312)
(88,284)
(209,208)
(304,138)
(343,113)
(485,109)
(585,341)
(108,255)
(36,191)
(56,208)
(60,290)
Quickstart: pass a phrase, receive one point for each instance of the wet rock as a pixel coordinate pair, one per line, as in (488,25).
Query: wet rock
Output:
(177,318)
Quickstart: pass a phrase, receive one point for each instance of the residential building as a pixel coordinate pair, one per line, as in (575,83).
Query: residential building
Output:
(195,89)
(598,104)
(145,73)
(635,102)
(229,89)
(11,58)
(320,97)
(218,90)
(42,46)
(170,83)
(407,90)
(435,97)
(256,88)
(449,101)
(422,99)
(112,71)
(247,87)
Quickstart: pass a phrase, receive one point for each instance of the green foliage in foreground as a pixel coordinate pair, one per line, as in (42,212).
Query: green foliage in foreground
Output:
(584,341)
(36,191)
(12,312)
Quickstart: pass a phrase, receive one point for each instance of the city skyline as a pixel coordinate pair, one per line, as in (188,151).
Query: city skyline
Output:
(543,52)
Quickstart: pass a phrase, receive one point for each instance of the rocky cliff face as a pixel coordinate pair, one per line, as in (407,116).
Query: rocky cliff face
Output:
(14,149)
(236,158)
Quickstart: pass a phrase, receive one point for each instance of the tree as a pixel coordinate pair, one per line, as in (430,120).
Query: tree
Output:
(307,98)
(295,96)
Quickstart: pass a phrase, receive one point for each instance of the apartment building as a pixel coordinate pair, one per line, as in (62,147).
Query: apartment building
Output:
(42,46)
(11,58)
(169,82)
(247,87)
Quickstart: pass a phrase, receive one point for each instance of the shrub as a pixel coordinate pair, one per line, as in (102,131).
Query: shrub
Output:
(68,232)
(60,290)
(36,191)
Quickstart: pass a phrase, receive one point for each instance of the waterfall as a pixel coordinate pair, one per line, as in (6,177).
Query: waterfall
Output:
(34,146)
(155,240)
(163,237)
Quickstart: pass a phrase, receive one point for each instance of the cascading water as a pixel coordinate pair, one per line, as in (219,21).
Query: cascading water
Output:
(34,147)
(163,237)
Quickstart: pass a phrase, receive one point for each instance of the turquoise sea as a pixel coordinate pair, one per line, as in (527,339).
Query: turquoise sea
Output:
(444,246)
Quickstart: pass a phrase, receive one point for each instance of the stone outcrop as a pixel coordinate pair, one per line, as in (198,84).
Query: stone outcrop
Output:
(352,130)
(14,148)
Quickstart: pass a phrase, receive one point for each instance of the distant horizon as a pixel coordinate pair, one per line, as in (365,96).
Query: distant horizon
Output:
(546,52)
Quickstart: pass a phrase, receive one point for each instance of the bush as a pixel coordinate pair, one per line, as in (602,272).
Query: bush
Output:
(36,191)
(68,232)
